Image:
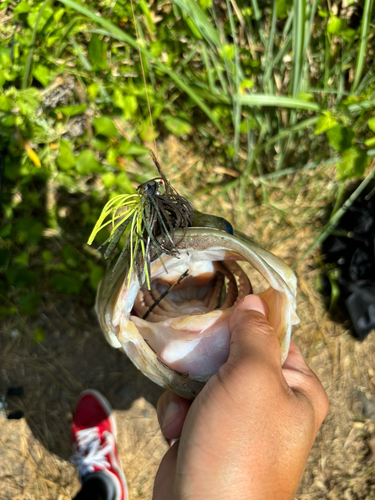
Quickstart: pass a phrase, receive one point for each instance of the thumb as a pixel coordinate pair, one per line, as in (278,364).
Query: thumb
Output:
(252,337)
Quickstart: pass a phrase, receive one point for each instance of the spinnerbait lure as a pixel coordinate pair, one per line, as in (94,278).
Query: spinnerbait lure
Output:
(148,221)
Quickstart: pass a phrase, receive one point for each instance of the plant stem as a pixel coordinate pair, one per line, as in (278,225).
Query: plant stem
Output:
(339,198)
(29,61)
(366,18)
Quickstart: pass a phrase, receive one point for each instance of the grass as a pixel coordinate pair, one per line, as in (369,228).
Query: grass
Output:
(268,90)
(272,110)
(341,363)
(365,26)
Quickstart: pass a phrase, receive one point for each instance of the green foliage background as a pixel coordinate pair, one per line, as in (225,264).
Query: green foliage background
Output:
(265,88)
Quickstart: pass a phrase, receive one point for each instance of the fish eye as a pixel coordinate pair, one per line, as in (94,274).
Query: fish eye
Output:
(228,227)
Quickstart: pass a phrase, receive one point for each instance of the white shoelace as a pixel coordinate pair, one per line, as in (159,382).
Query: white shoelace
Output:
(88,453)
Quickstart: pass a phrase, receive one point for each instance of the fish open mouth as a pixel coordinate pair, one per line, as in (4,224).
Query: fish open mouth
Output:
(189,328)
(183,335)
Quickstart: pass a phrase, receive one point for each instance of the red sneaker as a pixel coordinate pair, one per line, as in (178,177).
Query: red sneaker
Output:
(94,440)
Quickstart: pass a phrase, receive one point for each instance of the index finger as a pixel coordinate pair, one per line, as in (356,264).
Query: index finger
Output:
(172,410)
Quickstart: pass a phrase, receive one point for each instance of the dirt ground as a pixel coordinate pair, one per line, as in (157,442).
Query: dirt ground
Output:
(34,451)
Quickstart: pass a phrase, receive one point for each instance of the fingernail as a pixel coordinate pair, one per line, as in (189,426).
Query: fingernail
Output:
(254,303)
(171,413)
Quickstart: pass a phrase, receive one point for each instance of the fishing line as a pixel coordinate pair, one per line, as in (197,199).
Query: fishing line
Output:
(150,218)
(166,293)
(144,79)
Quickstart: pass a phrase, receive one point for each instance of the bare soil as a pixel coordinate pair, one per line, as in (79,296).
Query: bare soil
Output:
(34,451)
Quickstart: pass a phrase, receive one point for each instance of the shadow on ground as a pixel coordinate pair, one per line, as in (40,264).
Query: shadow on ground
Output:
(75,356)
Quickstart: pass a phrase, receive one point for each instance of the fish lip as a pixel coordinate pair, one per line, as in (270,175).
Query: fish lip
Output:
(198,239)
(240,241)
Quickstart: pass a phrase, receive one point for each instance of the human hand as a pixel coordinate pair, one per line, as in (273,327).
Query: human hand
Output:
(249,432)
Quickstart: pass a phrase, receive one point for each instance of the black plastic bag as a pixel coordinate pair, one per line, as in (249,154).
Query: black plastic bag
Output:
(350,251)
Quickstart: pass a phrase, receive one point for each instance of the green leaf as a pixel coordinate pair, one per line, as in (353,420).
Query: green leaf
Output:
(28,230)
(22,8)
(52,40)
(370,142)
(22,259)
(109,180)
(4,260)
(100,143)
(325,122)
(96,275)
(66,160)
(205,4)
(306,96)
(31,97)
(58,14)
(118,99)
(156,48)
(112,155)
(19,277)
(274,100)
(183,84)
(340,138)
(371,124)
(132,149)
(73,110)
(29,303)
(5,58)
(353,163)
(42,74)
(348,34)
(13,168)
(97,51)
(6,231)
(200,21)
(282,7)
(105,126)
(93,90)
(87,163)
(246,85)
(33,16)
(71,256)
(123,182)
(39,335)
(128,103)
(336,25)
(47,255)
(120,180)
(67,283)
(228,52)
(230,151)
(7,310)
(6,104)
(8,121)
(176,125)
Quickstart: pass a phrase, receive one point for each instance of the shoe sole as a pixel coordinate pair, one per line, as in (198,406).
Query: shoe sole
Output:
(105,403)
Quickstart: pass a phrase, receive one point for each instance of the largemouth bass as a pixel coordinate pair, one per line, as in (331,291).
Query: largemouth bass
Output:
(185,338)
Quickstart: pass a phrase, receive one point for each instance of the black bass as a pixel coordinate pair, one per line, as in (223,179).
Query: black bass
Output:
(184,339)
